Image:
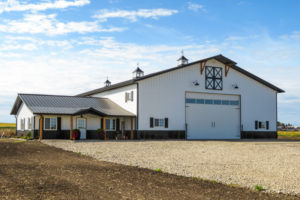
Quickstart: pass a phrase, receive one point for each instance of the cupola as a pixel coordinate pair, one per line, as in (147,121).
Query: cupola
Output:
(182,60)
(107,83)
(137,73)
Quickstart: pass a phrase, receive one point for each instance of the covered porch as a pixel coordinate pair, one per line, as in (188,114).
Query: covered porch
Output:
(89,124)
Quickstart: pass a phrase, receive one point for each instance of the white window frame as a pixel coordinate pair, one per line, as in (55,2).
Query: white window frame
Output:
(85,122)
(112,120)
(161,122)
(50,123)
(29,123)
(23,124)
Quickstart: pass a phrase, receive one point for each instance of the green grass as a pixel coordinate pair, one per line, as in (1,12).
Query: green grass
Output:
(259,188)
(158,170)
(19,141)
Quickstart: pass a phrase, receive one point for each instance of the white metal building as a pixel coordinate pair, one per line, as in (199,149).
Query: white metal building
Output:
(211,98)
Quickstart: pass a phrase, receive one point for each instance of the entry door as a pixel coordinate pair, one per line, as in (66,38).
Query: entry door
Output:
(81,125)
(212,116)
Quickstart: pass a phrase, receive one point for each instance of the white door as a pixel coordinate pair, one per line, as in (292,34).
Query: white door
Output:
(212,116)
(81,125)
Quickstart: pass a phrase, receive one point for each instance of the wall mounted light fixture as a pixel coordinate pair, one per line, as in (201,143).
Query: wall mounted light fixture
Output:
(235,86)
(196,83)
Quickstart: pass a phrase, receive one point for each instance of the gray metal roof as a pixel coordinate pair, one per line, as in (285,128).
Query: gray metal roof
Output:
(219,58)
(69,105)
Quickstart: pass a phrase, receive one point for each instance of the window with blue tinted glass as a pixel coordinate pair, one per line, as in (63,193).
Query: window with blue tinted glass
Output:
(235,103)
(200,101)
(218,102)
(190,100)
(225,102)
(208,101)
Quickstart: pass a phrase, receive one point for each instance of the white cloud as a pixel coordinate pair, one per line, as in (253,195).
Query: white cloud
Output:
(293,36)
(32,43)
(134,15)
(15,5)
(195,7)
(89,66)
(25,47)
(49,25)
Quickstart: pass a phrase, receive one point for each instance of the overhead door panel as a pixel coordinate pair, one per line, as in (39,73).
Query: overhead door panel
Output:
(212,116)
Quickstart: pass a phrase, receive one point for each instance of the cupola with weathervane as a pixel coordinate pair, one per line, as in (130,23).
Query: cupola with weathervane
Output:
(107,83)
(182,60)
(137,73)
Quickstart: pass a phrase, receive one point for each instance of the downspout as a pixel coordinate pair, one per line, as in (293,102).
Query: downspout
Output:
(137,105)
(276,115)
(33,124)
(16,124)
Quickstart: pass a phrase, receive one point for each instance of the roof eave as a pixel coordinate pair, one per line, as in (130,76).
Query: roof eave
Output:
(74,114)
(111,87)
(16,106)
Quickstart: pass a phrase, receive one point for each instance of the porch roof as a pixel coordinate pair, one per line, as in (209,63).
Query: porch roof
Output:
(69,105)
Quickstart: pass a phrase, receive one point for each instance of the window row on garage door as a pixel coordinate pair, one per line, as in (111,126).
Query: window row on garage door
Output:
(212,101)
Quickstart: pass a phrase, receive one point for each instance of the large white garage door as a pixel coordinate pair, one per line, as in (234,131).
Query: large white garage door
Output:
(212,116)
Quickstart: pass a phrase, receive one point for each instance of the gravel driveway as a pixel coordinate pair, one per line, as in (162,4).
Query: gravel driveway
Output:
(273,164)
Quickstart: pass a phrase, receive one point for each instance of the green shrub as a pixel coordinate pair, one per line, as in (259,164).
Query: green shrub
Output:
(259,188)
(25,137)
(28,135)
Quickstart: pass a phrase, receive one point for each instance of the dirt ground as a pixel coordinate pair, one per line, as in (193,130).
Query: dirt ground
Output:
(31,170)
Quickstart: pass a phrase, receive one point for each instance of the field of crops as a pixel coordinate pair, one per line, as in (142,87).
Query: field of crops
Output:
(7,125)
(289,135)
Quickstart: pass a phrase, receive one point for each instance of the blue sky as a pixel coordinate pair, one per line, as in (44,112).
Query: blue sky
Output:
(71,46)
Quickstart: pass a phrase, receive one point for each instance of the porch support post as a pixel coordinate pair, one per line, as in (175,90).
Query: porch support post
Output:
(131,126)
(41,128)
(71,127)
(104,127)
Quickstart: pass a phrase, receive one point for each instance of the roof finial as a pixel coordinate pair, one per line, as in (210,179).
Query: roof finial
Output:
(137,64)
(182,52)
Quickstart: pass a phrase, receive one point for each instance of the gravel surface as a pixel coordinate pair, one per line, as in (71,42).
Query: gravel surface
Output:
(274,165)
